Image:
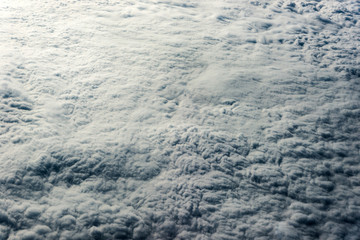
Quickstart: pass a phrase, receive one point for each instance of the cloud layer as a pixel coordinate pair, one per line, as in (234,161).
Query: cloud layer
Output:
(179,119)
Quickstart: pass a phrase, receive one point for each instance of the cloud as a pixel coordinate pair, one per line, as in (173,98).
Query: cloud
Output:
(179,120)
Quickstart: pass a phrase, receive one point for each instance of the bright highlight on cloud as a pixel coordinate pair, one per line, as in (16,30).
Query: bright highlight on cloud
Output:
(179,119)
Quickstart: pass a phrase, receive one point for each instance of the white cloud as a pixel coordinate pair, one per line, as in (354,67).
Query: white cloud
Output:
(179,120)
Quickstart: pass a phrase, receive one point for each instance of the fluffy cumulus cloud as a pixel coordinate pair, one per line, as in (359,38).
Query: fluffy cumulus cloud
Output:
(179,119)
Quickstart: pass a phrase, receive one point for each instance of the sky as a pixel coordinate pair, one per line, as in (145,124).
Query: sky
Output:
(179,119)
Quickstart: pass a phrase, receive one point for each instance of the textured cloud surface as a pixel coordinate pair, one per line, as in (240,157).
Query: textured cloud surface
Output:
(180,119)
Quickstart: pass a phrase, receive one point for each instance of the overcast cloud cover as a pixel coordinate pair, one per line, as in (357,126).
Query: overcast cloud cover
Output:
(180,119)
